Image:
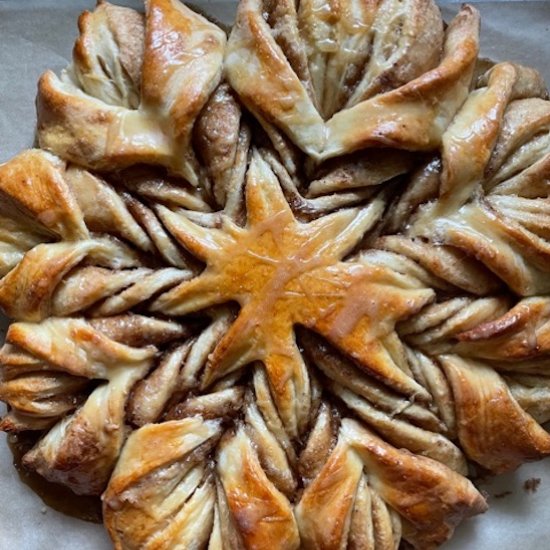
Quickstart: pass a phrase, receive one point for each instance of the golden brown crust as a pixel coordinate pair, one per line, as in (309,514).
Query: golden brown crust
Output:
(35,194)
(103,209)
(325,509)
(237,268)
(27,292)
(433,500)
(102,73)
(245,343)
(81,450)
(163,499)
(259,71)
(102,130)
(493,429)
(88,132)
(421,121)
(260,511)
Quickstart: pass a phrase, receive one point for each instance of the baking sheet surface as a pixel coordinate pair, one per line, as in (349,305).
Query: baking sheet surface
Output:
(38,34)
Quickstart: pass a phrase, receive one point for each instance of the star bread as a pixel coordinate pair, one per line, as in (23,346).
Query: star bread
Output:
(283,288)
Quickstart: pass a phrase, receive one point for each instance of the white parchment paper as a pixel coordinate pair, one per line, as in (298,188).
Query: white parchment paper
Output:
(38,34)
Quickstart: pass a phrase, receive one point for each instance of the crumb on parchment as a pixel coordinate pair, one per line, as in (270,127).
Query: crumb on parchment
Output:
(531,485)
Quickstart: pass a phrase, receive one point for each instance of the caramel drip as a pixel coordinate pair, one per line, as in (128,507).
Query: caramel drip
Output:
(54,495)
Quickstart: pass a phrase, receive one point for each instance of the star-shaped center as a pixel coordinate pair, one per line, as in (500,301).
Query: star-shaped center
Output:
(285,273)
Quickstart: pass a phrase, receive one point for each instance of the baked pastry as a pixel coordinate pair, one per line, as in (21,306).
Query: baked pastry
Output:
(143,81)
(283,290)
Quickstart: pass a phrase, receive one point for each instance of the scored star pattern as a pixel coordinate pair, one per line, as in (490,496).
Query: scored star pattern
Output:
(285,273)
